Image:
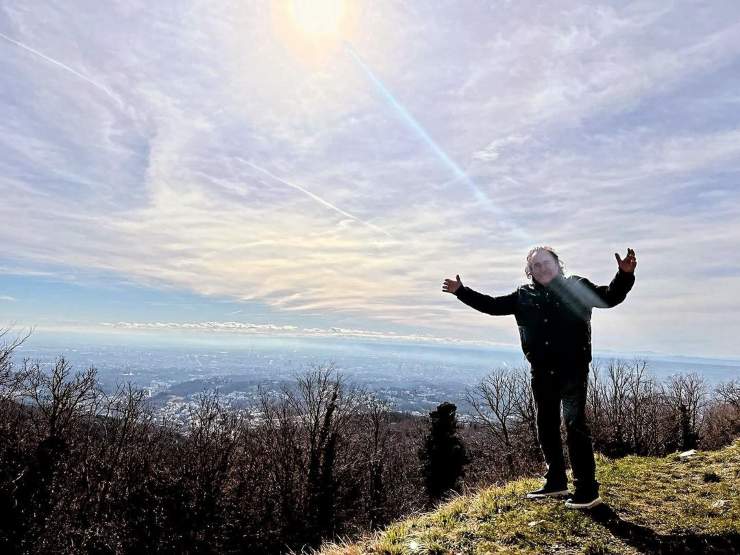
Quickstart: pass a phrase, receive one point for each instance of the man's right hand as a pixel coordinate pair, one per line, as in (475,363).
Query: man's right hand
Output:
(451,285)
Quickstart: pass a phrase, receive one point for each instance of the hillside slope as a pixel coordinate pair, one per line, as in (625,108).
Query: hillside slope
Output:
(652,505)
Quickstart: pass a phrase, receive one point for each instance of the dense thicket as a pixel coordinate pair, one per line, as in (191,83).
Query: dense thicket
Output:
(84,470)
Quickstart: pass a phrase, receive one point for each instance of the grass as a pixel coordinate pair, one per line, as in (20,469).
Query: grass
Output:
(652,505)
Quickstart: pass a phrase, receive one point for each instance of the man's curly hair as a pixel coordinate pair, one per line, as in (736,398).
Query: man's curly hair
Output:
(535,250)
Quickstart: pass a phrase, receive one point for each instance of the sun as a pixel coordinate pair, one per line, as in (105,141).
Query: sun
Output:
(318,18)
(313,29)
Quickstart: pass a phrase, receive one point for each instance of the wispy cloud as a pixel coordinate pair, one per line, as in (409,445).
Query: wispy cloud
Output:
(7,298)
(291,331)
(231,168)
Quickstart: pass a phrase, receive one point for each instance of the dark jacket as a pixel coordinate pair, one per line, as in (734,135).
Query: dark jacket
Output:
(554,320)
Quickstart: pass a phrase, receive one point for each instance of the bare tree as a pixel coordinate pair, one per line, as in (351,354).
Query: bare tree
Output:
(11,380)
(325,407)
(617,383)
(721,422)
(59,396)
(686,396)
(729,392)
(376,421)
(643,406)
(497,402)
(596,403)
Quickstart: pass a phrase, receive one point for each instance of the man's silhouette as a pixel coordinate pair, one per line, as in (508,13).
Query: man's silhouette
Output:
(554,318)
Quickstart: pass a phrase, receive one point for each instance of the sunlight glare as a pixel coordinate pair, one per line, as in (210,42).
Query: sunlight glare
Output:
(313,30)
(318,17)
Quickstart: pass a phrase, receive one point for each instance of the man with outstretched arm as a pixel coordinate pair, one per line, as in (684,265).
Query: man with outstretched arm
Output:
(553,313)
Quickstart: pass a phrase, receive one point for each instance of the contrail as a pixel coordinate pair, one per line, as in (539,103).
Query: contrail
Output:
(456,170)
(64,67)
(313,196)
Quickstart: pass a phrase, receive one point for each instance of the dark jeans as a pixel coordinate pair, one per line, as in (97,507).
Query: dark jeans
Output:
(551,387)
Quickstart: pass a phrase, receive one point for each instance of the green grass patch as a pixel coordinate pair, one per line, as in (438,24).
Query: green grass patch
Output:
(651,503)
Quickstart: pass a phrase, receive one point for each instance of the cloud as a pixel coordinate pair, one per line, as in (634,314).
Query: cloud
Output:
(8,298)
(591,128)
(290,331)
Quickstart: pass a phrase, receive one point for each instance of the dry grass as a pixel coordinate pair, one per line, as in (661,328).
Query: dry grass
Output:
(651,504)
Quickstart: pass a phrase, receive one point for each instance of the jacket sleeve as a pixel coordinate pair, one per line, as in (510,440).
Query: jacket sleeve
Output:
(603,296)
(496,306)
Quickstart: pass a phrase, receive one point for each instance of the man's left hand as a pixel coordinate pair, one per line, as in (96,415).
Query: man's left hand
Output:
(629,263)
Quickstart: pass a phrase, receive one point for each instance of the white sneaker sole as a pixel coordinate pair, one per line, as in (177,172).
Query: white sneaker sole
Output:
(561,493)
(589,505)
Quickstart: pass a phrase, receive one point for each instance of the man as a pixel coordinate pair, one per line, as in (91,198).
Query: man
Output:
(554,318)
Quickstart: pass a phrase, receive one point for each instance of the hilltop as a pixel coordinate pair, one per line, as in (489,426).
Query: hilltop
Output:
(652,505)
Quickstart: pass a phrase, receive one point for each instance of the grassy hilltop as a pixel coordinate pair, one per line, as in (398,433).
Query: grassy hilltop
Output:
(652,505)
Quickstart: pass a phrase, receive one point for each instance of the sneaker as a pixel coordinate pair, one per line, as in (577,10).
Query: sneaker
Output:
(549,491)
(583,500)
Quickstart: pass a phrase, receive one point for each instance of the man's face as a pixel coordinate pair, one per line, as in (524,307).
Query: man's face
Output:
(543,267)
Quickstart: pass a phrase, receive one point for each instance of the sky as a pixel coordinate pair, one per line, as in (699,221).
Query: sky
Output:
(285,169)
